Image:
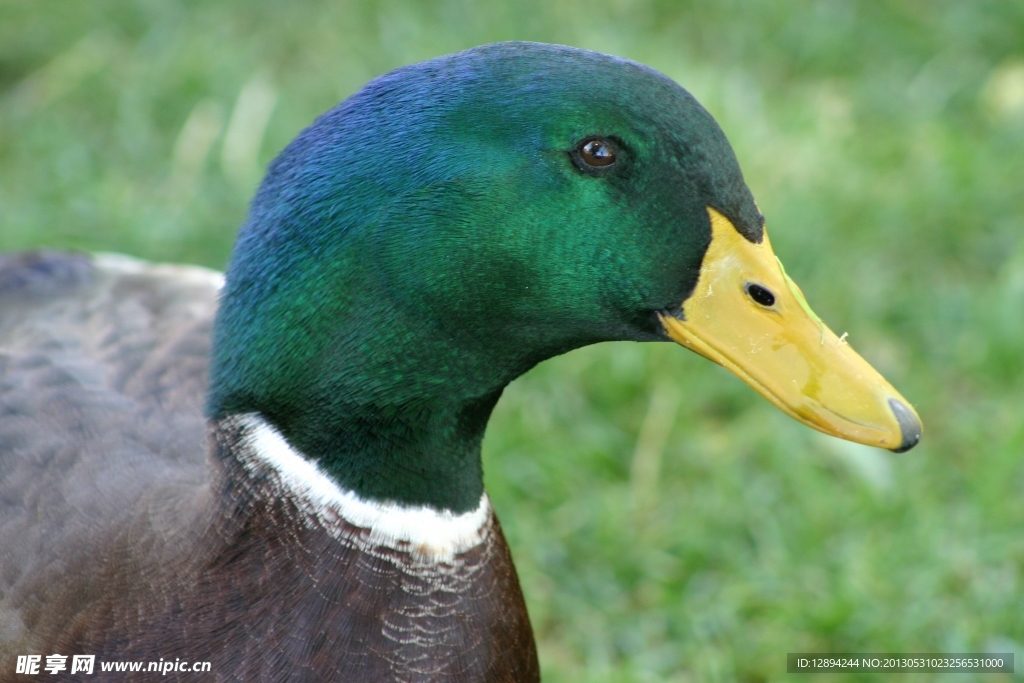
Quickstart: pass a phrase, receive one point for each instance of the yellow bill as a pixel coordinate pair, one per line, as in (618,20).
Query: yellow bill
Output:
(748,316)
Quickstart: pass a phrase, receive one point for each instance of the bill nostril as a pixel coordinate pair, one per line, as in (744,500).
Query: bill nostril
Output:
(910,425)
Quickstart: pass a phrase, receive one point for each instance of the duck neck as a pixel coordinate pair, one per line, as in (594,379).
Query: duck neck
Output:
(427,453)
(391,410)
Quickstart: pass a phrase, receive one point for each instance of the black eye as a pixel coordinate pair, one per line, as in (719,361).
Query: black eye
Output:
(760,295)
(596,154)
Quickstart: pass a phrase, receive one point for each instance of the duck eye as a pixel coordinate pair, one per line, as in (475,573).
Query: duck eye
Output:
(760,295)
(596,153)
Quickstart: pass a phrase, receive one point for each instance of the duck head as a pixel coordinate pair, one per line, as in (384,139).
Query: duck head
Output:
(459,220)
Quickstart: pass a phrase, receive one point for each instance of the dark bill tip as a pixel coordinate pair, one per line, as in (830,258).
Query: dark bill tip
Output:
(910,426)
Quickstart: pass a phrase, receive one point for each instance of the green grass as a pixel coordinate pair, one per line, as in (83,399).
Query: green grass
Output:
(668,524)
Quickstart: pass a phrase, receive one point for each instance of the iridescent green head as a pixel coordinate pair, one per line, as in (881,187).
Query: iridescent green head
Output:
(446,228)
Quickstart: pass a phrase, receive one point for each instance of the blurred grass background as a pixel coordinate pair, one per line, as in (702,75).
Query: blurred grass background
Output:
(668,524)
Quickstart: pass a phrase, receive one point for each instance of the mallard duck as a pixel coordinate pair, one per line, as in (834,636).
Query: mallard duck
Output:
(278,472)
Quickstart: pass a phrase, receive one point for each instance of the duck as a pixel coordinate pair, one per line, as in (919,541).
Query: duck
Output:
(274,474)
